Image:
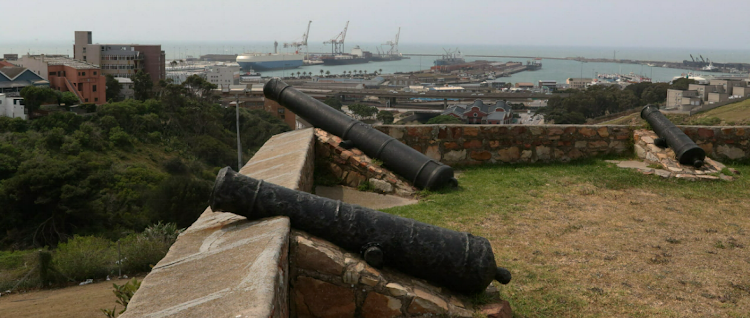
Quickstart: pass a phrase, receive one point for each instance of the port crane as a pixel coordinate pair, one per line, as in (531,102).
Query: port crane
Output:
(394,44)
(297,45)
(337,43)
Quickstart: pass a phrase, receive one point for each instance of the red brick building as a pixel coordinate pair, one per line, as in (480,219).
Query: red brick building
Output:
(280,112)
(69,75)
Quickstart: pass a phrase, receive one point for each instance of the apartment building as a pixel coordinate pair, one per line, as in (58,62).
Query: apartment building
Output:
(68,75)
(579,83)
(223,75)
(121,60)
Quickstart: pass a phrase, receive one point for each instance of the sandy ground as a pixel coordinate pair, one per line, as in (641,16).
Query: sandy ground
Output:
(76,301)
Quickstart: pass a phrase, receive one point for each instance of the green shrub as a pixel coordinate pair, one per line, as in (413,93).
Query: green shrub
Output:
(143,250)
(123,293)
(84,257)
(706,121)
(120,138)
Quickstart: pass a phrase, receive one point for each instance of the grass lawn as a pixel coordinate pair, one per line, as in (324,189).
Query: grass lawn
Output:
(589,239)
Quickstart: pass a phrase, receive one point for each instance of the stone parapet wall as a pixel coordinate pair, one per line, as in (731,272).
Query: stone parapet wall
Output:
(475,144)
(352,167)
(224,265)
(721,143)
(327,281)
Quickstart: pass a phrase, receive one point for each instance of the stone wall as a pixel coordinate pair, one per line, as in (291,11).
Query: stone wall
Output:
(721,143)
(327,281)
(474,144)
(224,265)
(353,167)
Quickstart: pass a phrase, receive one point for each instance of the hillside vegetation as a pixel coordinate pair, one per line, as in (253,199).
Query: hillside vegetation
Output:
(130,164)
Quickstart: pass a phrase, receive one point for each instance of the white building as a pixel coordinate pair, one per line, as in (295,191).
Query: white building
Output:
(223,74)
(12,107)
(126,87)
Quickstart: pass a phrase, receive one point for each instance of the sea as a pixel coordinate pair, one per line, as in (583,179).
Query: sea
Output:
(557,70)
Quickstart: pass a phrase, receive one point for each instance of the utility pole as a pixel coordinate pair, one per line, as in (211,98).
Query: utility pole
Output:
(239,148)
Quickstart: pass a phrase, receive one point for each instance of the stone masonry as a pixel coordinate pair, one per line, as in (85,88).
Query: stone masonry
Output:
(721,143)
(327,281)
(475,144)
(353,167)
(668,165)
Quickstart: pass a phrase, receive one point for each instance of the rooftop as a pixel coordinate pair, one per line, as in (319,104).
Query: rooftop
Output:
(64,60)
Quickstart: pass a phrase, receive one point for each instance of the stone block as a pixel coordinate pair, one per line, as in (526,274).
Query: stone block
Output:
(396,132)
(536,130)
(730,152)
(705,133)
(494,143)
(543,153)
(433,152)
(455,156)
(353,179)
(554,131)
(318,258)
(427,303)
(481,155)
(451,145)
(575,154)
(323,299)
(457,132)
(526,155)
(473,144)
(497,310)
(396,289)
(471,131)
(381,185)
(509,154)
(588,132)
(381,306)
(598,144)
(581,144)
(603,132)
(707,147)
(370,281)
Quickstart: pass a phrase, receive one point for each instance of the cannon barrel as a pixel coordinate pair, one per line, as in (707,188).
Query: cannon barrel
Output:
(686,151)
(459,261)
(422,171)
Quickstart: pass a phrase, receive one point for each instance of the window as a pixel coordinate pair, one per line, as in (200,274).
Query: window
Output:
(87,100)
(281,113)
(80,87)
(84,73)
(84,57)
(51,73)
(96,99)
(94,73)
(84,50)
(93,88)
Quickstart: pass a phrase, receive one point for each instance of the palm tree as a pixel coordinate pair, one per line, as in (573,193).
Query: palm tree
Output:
(321,72)
(297,73)
(327,72)
(380,71)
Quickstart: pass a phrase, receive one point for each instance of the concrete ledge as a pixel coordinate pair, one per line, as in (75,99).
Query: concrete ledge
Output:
(224,265)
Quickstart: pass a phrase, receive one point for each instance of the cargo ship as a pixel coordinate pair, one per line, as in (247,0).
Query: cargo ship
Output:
(450,58)
(357,56)
(269,61)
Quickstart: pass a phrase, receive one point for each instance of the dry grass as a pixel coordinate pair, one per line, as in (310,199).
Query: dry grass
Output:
(728,115)
(590,239)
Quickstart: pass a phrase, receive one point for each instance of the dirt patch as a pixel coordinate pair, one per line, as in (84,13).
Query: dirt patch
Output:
(74,302)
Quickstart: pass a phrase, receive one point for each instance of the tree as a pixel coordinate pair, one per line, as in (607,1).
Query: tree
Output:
(68,98)
(362,110)
(321,72)
(35,96)
(142,86)
(327,72)
(445,119)
(333,102)
(386,117)
(682,83)
(297,73)
(380,71)
(114,87)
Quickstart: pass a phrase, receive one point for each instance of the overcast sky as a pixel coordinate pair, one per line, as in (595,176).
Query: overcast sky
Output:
(620,23)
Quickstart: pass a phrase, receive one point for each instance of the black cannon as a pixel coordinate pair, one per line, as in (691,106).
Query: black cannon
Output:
(686,151)
(460,261)
(422,171)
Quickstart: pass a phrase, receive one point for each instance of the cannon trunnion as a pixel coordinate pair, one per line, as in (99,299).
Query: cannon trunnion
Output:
(422,171)
(686,151)
(460,261)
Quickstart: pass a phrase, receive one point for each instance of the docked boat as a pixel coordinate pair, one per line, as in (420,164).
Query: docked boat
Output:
(357,56)
(269,61)
(450,58)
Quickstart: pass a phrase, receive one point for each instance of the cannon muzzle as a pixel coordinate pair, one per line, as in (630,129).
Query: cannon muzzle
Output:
(686,151)
(422,171)
(459,261)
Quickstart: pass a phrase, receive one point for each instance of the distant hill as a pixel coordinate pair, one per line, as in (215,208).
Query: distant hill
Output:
(735,114)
